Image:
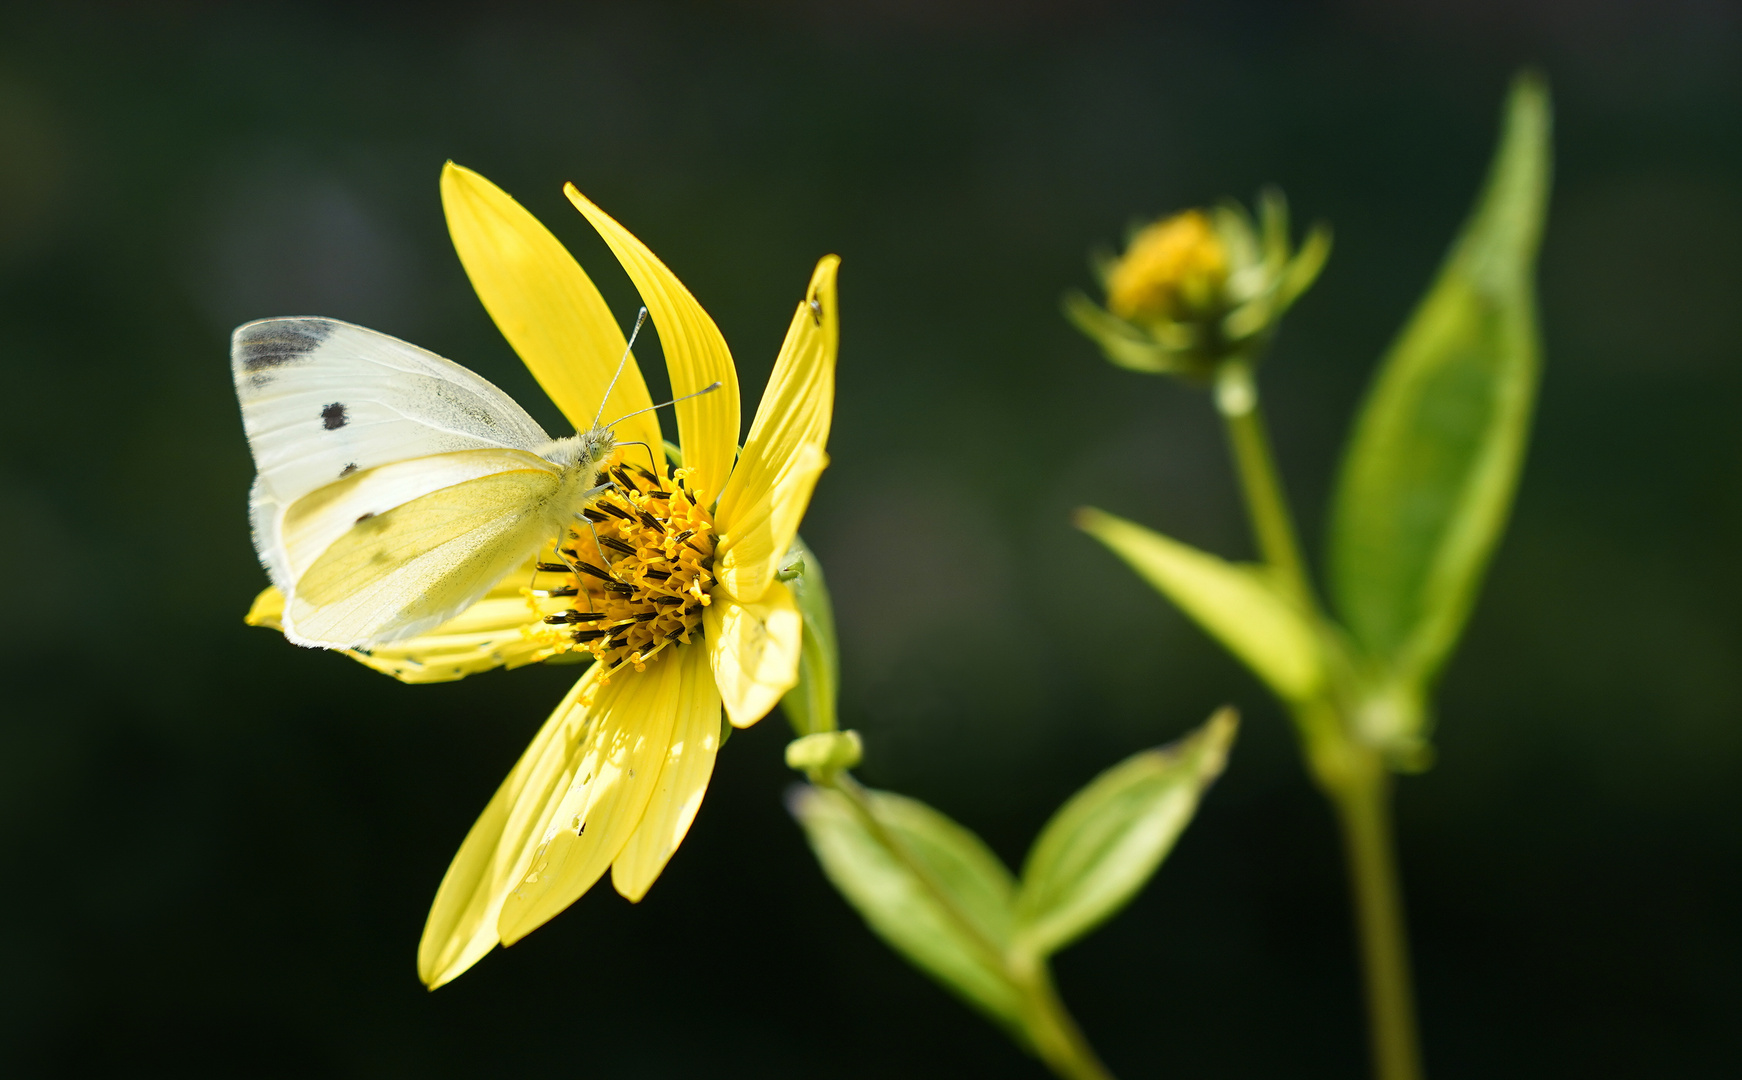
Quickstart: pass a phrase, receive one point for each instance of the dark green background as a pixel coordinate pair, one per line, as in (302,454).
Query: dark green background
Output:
(218,849)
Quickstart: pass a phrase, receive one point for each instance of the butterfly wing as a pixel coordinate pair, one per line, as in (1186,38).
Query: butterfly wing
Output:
(398,550)
(394,487)
(323,400)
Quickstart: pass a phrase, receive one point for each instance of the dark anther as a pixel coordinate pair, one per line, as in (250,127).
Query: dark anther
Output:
(644,472)
(617,545)
(685,535)
(623,478)
(616,512)
(650,521)
(595,516)
(552,568)
(668,600)
(589,568)
(590,635)
(618,587)
(657,575)
(647,616)
(675,634)
(574,617)
(566,590)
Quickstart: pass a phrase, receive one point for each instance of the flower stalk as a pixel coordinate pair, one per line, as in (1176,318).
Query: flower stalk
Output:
(1352,775)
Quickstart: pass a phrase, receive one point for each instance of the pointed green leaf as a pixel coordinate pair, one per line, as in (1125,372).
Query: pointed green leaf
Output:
(810,705)
(1435,455)
(1103,844)
(961,944)
(1236,604)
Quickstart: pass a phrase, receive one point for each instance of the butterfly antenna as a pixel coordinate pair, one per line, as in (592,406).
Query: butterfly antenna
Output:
(708,389)
(640,318)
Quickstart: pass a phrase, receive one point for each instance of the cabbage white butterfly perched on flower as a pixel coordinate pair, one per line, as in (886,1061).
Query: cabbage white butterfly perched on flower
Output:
(395,487)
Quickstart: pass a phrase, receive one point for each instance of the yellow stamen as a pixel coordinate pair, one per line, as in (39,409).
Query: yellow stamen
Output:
(644,584)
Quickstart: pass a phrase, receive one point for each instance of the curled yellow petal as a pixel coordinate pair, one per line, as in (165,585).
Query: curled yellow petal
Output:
(766,497)
(754,651)
(695,355)
(612,771)
(683,780)
(505,629)
(545,305)
(462,922)
(760,531)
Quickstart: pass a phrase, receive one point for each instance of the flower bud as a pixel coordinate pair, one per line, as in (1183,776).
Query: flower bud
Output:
(825,754)
(1200,288)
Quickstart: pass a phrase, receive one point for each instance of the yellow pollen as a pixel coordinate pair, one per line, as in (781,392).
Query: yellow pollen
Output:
(643,586)
(1174,268)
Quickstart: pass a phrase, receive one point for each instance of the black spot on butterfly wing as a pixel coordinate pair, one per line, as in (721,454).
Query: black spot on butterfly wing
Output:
(278,342)
(333,416)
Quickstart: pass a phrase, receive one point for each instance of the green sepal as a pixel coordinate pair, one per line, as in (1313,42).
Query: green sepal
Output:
(1109,838)
(810,705)
(962,945)
(1434,458)
(1121,343)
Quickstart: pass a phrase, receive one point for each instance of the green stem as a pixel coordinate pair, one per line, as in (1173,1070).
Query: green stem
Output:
(1363,804)
(1056,1038)
(1350,773)
(1272,525)
(1051,1031)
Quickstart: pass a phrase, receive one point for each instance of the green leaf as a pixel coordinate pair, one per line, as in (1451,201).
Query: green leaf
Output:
(810,705)
(1434,458)
(961,944)
(1103,844)
(1236,604)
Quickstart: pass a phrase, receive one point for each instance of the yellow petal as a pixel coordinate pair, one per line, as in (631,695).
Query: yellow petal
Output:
(613,772)
(754,651)
(758,534)
(462,921)
(695,355)
(267,610)
(545,305)
(682,782)
(504,629)
(766,497)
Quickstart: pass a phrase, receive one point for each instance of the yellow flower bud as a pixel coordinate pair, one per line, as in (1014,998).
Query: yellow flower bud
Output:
(1174,268)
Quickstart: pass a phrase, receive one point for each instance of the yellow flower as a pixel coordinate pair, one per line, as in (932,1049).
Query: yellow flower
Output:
(1174,268)
(673,592)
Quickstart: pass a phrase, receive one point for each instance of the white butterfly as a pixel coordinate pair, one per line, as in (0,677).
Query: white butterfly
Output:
(395,487)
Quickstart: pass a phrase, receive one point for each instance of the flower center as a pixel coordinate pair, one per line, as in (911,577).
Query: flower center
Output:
(642,586)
